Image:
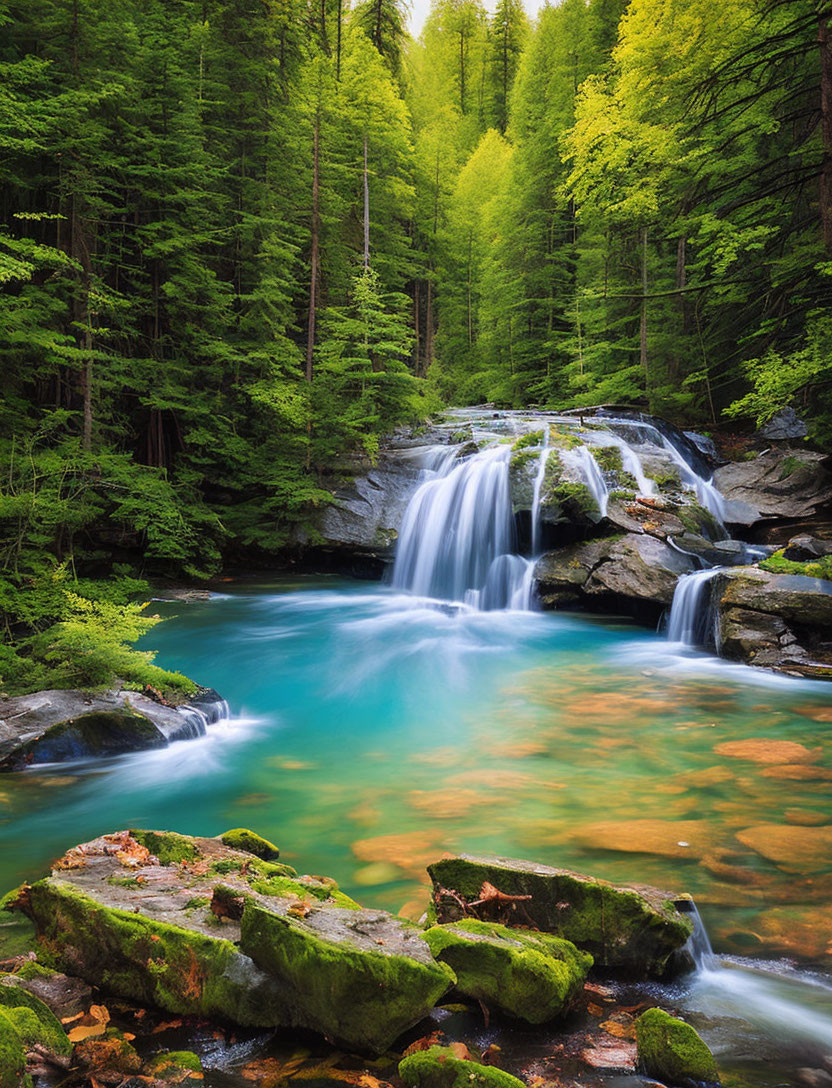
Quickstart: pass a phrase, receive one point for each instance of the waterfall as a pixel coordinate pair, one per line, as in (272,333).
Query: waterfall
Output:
(538,484)
(207,709)
(690,610)
(707,495)
(583,461)
(455,527)
(630,462)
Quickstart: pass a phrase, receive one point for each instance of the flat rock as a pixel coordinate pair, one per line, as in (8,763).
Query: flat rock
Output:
(664,838)
(195,927)
(636,929)
(55,726)
(762,750)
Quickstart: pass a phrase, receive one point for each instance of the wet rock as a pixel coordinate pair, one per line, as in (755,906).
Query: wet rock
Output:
(783,426)
(800,849)
(776,484)
(441,1067)
(672,1051)
(774,620)
(631,568)
(763,750)
(665,838)
(612,1054)
(64,995)
(33,1020)
(175,1067)
(531,976)
(195,927)
(55,726)
(635,929)
(704,443)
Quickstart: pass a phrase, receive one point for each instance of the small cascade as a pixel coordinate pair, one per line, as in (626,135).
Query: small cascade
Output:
(582,459)
(690,611)
(538,484)
(707,495)
(206,709)
(455,526)
(698,946)
(509,585)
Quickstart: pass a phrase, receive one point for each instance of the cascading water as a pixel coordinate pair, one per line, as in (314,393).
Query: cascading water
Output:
(538,484)
(454,530)
(690,610)
(582,460)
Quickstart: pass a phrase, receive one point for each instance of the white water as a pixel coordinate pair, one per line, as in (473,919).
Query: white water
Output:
(538,484)
(582,459)
(690,608)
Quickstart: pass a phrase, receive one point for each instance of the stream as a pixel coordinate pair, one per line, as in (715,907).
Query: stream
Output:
(373,728)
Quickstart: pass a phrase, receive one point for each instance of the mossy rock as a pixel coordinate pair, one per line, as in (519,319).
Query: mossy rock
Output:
(12,1056)
(532,976)
(364,990)
(240,838)
(47,1028)
(637,930)
(268,950)
(439,1067)
(527,441)
(175,1067)
(672,1051)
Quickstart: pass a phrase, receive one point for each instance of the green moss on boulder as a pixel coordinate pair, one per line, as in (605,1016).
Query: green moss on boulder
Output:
(177,1066)
(41,1024)
(241,838)
(532,976)
(439,1067)
(635,929)
(167,846)
(672,1051)
(12,1056)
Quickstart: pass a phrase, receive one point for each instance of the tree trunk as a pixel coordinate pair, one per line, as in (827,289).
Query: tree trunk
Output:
(826,130)
(643,336)
(470,317)
(462,72)
(366,211)
(313,257)
(429,327)
(417,361)
(338,41)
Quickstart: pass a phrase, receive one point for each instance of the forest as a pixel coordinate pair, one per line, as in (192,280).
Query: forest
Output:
(241,240)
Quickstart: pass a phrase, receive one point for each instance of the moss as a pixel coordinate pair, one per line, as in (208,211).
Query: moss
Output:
(12,1056)
(576,498)
(175,1065)
(525,441)
(667,481)
(619,927)
(167,846)
(439,1067)
(49,1031)
(622,496)
(30,970)
(240,838)
(672,1051)
(272,868)
(532,976)
(608,458)
(696,519)
(264,869)
(303,888)
(525,457)
(150,962)
(813,568)
(17,934)
(365,998)
(790,465)
(124,881)
(563,438)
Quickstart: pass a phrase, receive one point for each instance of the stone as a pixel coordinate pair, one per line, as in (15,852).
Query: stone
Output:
(441,1067)
(54,726)
(196,927)
(804,548)
(762,750)
(12,1055)
(631,569)
(798,849)
(637,929)
(777,484)
(175,1067)
(665,838)
(43,1028)
(672,1051)
(784,425)
(240,838)
(531,976)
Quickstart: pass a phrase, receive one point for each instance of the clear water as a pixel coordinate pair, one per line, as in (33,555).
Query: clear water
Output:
(372,732)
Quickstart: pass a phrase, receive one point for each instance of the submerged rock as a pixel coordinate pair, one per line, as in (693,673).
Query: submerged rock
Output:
(672,1051)
(441,1067)
(196,927)
(56,726)
(638,929)
(532,976)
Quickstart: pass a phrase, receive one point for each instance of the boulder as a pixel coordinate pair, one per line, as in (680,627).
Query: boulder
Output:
(805,548)
(56,726)
(531,976)
(638,930)
(784,426)
(672,1051)
(240,838)
(776,484)
(629,568)
(37,1025)
(442,1067)
(774,620)
(196,927)
(12,1055)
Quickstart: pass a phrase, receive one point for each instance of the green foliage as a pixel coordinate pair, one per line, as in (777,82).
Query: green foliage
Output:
(813,568)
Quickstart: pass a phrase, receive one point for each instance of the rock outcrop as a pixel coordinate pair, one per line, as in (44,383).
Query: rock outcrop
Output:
(776,484)
(774,620)
(637,930)
(56,726)
(195,927)
(611,572)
